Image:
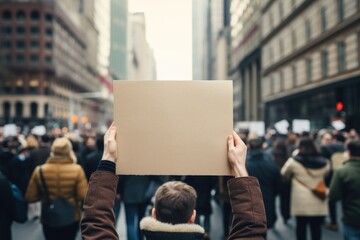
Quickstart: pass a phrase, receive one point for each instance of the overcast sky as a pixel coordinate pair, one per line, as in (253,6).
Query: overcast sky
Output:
(169,33)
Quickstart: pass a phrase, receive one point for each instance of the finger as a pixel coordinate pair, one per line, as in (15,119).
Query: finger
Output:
(237,139)
(230,141)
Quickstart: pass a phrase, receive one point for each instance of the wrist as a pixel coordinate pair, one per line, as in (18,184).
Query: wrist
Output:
(240,170)
(108,158)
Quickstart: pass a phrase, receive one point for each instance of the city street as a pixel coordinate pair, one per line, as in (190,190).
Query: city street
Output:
(32,229)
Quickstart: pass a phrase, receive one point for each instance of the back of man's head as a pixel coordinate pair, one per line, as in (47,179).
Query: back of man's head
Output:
(255,143)
(354,148)
(175,202)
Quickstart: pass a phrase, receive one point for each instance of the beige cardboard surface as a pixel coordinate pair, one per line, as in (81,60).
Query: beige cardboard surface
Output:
(173,127)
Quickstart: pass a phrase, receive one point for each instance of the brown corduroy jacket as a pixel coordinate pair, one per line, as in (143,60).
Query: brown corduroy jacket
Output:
(64,179)
(98,220)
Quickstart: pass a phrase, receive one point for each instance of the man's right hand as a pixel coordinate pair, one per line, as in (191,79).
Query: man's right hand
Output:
(237,155)
(110,146)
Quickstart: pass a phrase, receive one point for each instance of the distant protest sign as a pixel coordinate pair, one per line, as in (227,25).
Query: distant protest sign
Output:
(301,125)
(10,130)
(173,127)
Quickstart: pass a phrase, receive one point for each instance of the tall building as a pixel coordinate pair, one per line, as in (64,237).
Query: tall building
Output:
(48,59)
(198,33)
(310,61)
(118,47)
(142,64)
(245,59)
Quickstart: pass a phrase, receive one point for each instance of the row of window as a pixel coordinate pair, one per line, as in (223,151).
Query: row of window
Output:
(21,15)
(20,31)
(21,59)
(20,45)
(341,50)
(19,109)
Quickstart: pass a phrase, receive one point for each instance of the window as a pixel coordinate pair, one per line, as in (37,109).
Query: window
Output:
(293,39)
(20,16)
(341,13)
(34,44)
(19,86)
(33,110)
(48,59)
(6,16)
(281,46)
(6,45)
(20,31)
(48,18)
(271,20)
(49,32)
(281,9)
(323,19)
(341,56)
(35,16)
(20,58)
(48,45)
(7,110)
(19,107)
(308,29)
(281,81)
(34,86)
(271,85)
(6,31)
(271,55)
(34,58)
(20,45)
(309,70)
(34,30)
(324,63)
(294,75)
(6,59)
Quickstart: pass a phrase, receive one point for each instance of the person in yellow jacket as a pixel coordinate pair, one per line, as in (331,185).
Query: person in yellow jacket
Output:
(64,179)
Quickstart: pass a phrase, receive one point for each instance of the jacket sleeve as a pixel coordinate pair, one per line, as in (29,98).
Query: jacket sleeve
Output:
(33,192)
(81,185)
(286,170)
(249,219)
(98,220)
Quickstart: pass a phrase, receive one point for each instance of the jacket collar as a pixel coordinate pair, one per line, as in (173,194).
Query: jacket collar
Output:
(59,160)
(154,229)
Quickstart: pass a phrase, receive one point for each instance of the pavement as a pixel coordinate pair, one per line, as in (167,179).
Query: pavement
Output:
(32,229)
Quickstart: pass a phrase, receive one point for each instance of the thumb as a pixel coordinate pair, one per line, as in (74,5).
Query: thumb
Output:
(230,141)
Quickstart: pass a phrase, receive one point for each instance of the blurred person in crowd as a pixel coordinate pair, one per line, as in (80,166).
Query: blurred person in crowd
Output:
(260,165)
(7,157)
(330,146)
(37,157)
(345,187)
(64,179)
(174,212)
(281,155)
(93,159)
(306,171)
(353,134)
(31,142)
(6,208)
(292,143)
(203,186)
(22,169)
(89,147)
(226,207)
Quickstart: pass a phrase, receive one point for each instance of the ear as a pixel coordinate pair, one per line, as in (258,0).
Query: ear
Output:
(192,218)
(153,213)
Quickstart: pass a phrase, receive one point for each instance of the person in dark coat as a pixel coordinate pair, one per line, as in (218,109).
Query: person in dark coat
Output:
(6,208)
(268,174)
(203,186)
(93,159)
(281,154)
(329,146)
(22,170)
(7,159)
(38,156)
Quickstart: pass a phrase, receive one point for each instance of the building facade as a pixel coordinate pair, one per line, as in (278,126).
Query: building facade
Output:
(310,61)
(245,67)
(47,63)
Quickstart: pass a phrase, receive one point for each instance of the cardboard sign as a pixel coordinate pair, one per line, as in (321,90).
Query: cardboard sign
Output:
(301,125)
(282,127)
(258,128)
(173,127)
(10,130)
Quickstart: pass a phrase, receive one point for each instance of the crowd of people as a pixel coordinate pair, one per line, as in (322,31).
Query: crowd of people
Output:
(308,173)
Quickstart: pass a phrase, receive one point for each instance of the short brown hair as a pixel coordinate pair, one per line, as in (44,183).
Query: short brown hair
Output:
(175,202)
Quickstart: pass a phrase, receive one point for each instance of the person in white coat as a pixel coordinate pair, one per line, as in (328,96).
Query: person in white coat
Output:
(305,171)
